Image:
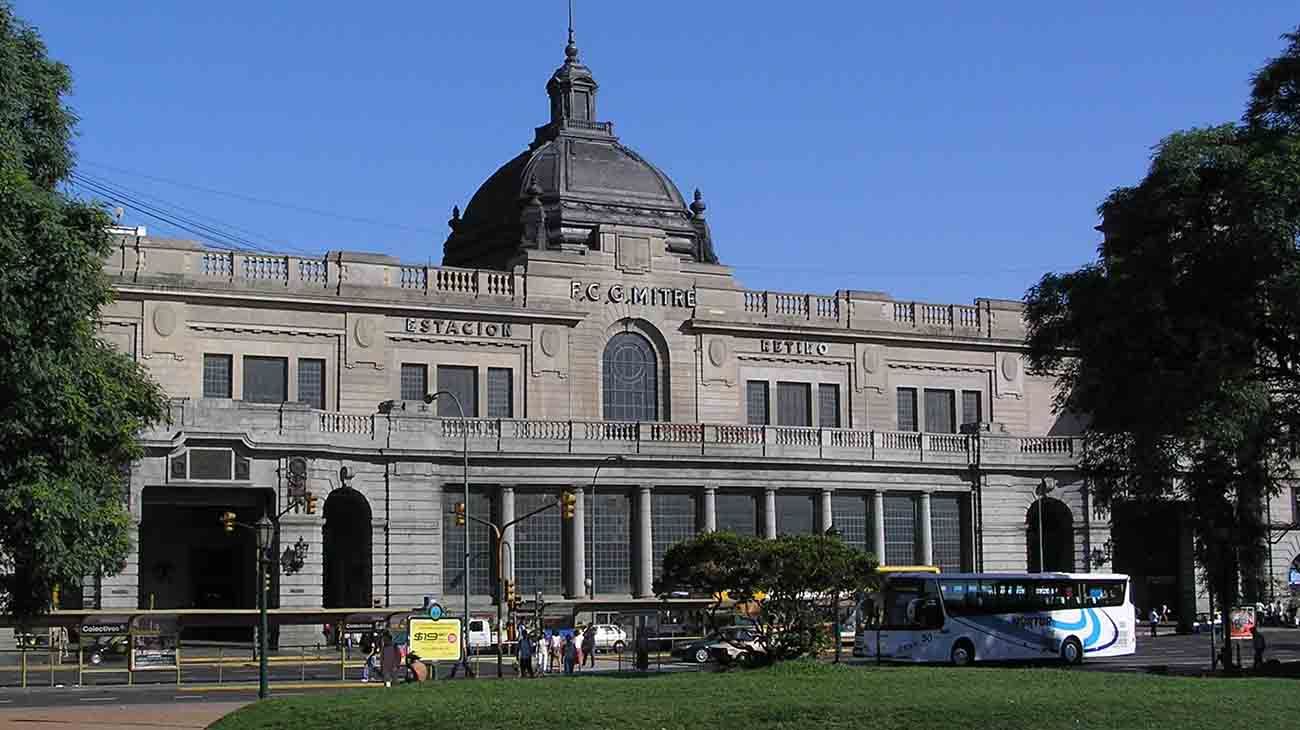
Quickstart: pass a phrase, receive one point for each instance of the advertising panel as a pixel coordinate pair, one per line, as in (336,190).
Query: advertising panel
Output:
(436,641)
(154,642)
(1243,622)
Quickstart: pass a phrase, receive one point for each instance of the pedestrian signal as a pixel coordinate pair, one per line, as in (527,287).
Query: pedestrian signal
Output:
(311,503)
(460,513)
(228,521)
(569,503)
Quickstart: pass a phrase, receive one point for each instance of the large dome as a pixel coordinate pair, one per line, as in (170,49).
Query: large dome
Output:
(574,177)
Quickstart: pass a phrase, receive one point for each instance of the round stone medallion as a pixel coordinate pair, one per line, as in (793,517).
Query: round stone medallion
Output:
(1010,367)
(549,342)
(364,332)
(717,352)
(164,320)
(870,360)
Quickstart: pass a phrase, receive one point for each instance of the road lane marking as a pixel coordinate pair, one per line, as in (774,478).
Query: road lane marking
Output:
(188,697)
(96,699)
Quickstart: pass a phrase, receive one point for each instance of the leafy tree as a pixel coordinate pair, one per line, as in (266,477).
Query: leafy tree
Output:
(796,582)
(70,407)
(1182,341)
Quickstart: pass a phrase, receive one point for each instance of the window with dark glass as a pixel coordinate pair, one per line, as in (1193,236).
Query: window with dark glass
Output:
(970,407)
(415,381)
(946,532)
(500,393)
(266,379)
(609,519)
(311,382)
(756,403)
(673,520)
(793,404)
(828,405)
(900,529)
(849,514)
(214,464)
(631,379)
(216,376)
(461,382)
(939,416)
(481,557)
(795,514)
(737,513)
(907,409)
(538,545)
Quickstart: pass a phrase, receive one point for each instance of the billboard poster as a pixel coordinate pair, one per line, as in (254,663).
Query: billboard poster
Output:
(154,642)
(436,641)
(1243,622)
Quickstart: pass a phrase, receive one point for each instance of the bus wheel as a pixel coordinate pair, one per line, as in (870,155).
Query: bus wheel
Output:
(1071,651)
(963,654)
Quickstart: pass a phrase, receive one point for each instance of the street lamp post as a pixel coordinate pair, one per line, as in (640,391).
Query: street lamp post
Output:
(1041,492)
(591,584)
(265,531)
(464,427)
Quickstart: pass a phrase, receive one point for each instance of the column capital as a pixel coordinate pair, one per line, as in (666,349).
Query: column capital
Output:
(645,490)
(769,490)
(507,489)
(709,489)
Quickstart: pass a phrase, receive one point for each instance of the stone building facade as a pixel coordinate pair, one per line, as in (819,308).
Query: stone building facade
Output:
(582,314)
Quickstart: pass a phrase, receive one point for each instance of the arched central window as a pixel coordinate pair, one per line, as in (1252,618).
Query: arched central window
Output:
(631,379)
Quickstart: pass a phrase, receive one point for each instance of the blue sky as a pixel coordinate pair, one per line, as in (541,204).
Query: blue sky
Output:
(935,151)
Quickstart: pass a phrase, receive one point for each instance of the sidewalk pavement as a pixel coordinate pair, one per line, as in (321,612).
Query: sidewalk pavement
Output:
(119,717)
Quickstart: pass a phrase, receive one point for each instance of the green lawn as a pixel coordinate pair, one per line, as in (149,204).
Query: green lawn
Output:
(802,696)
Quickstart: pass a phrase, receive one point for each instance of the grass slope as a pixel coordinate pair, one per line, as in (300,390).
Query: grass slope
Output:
(801,696)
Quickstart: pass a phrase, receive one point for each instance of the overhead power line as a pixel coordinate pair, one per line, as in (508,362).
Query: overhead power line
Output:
(214,237)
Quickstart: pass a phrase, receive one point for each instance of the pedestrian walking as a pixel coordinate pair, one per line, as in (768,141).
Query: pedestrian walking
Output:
(390,658)
(1155,621)
(557,651)
(525,649)
(570,654)
(371,647)
(589,646)
(1257,639)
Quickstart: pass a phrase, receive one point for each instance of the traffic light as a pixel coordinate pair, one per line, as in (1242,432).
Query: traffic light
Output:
(460,514)
(569,503)
(297,480)
(228,521)
(310,500)
(511,598)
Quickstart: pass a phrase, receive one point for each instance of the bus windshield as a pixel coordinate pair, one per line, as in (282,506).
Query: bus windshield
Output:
(912,603)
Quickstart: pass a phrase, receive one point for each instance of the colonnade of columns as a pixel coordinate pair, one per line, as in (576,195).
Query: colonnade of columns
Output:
(576,539)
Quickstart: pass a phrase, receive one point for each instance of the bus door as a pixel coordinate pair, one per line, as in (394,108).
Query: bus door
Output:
(913,621)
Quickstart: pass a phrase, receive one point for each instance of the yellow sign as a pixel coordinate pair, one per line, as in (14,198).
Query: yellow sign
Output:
(436,641)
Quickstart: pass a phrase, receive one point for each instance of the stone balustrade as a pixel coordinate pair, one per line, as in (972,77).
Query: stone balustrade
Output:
(417,429)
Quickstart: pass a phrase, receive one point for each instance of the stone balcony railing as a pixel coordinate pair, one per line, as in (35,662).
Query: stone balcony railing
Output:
(421,431)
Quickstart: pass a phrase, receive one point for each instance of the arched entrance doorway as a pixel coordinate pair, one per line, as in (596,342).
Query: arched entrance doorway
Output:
(347,538)
(1057,547)
(631,379)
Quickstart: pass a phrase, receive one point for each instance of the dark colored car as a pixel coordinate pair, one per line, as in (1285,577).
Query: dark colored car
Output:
(733,642)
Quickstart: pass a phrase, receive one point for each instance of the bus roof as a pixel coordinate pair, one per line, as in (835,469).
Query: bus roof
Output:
(1010,576)
(891,569)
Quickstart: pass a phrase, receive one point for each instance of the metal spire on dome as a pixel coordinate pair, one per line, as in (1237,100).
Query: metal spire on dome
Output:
(571,50)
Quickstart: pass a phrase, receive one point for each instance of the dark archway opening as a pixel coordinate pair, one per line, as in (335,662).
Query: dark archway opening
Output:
(1057,545)
(347,537)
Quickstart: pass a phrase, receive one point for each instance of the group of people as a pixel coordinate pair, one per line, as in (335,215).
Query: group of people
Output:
(390,662)
(548,651)
(1276,613)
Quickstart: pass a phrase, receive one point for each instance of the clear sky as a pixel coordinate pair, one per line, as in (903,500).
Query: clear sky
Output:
(937,151)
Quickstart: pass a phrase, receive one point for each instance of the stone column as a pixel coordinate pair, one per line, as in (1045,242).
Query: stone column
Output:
(827,515)
(769,513)
(305,589)
(577,587)
(878,523)
(645,544)
(709,510)
(508,536)
(927,542)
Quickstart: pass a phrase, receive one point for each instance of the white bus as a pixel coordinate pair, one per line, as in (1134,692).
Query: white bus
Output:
(964,617)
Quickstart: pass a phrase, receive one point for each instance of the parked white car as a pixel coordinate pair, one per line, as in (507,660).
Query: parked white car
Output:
(481,634)
(610,637)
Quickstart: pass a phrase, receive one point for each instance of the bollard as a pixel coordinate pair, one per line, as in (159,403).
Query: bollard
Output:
(80,667)
(221,663)
(24,666)
(304,664)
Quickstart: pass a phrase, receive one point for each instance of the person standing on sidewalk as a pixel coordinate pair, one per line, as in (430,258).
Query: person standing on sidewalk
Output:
(390,658)
(589,646)
(1257,640)
(570,653)
(525,648)
(1155,621)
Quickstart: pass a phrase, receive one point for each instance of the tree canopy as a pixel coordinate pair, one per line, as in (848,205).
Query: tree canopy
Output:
(795,582)
(1182,341)
(70,406)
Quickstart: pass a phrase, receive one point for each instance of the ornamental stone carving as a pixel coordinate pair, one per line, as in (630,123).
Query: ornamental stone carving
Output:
(717,352)
(164,320)
(548,342)
(1010,367)
(364,331)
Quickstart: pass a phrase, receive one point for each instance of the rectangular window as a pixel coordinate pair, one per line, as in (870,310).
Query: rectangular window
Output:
(939,415)
(907,409)
(970,407)
(849,518)
(538,546)
(900,529)
(946,532)
(311,383)
(737,513)
(216,376)
(756,403)
(794,514)
(793,404)
(266,379)
(482,555)
(500,393)
(210,464)
(673,520)
(609,518)
(828,405)
(463,383)
(415,381)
